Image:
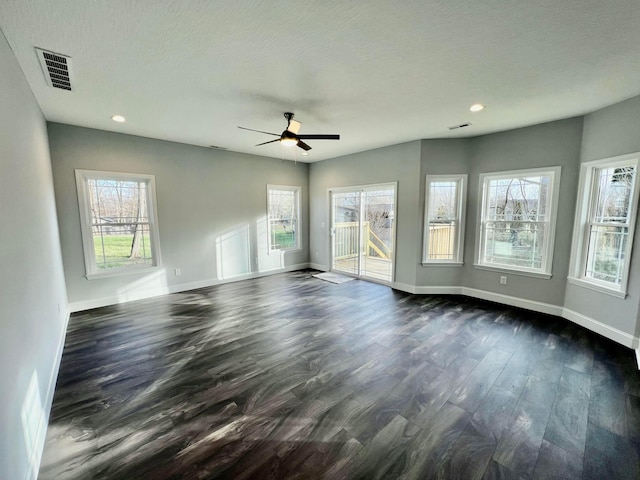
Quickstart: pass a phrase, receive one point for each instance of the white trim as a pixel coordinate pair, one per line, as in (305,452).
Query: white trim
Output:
(404,287)
(579,243)
(441,264)
(637,350)
(37,447)
(596,287)
(183,287)
(461,202)
(603,329)
(91,269)
(318,266)
(554,172)
(513,301)
(332,221)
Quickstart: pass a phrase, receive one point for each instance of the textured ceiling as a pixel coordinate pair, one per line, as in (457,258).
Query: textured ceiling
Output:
(377,72)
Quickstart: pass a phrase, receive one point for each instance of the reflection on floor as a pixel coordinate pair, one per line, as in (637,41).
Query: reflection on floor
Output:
(292,377)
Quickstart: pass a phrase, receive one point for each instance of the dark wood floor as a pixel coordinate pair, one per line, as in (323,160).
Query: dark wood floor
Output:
(293,377)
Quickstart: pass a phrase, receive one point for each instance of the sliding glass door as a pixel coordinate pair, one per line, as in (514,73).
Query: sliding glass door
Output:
(363,231)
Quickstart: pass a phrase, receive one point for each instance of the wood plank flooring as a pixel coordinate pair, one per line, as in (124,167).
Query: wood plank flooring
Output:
(291,377)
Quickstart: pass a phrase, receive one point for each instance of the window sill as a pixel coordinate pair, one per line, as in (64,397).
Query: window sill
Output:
(597,287)
(285,250)
(513,271)
(120,272)
(442,264)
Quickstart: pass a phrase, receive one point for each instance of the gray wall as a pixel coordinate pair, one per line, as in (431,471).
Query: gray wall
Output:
(545,145)
(439,157)
(203,196)
(33,310)
(398,163)
(610,132)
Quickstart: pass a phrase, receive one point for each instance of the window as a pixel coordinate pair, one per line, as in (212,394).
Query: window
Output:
(605,219)
(517,220)
(117,217)
(445,198)
(283,207)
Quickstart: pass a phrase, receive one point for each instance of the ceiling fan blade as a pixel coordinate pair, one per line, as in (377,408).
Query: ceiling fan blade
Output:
(270,141)
(294,126)
(319,137)
(303,145)
(260,131)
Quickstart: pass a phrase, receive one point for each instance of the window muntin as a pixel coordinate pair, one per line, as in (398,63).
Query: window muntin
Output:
(118,223)
(283,213)
(517,220)
(444,218)
(605,220)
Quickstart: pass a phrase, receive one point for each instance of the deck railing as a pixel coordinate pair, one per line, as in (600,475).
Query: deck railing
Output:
(441,238)
(347,241)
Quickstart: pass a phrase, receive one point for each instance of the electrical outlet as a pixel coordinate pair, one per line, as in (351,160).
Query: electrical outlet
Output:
(503,279)
(178,272)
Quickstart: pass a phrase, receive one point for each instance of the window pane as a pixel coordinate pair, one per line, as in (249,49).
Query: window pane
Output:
(119,223)
(605,256)
(518,199)
(516,221)
(518,244)
(442,236)
(122,246)
(614,193)
(283,218)
(442,216)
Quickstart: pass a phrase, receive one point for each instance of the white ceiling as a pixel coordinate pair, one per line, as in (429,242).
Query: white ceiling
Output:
(377,72)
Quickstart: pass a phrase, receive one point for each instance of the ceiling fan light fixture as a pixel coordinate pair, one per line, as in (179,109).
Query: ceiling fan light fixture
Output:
(288,139)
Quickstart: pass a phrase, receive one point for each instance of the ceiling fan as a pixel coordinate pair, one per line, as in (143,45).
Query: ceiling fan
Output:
(290,137)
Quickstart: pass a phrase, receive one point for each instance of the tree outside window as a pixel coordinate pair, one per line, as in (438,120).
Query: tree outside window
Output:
(119,231)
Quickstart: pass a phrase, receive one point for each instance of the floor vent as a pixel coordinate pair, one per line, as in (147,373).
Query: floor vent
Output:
(462,125)
(56,68)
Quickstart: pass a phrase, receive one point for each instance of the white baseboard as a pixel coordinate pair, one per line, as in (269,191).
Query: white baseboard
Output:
(406,287)
(318,266)
(513,301)
(603,329)
(37,446)
(183,287)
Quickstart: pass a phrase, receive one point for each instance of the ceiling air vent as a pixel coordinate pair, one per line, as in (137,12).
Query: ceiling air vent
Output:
(56,68)
(462,125)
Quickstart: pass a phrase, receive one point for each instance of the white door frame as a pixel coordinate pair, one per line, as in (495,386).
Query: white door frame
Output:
(362,189)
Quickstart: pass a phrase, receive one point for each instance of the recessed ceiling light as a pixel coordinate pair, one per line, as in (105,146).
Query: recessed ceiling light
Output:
(476,107)
(118,118)
(305,153)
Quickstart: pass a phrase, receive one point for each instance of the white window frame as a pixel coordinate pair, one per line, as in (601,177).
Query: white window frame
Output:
(584,208)
(92,270)
(297,191)
(549,238)
(461,200)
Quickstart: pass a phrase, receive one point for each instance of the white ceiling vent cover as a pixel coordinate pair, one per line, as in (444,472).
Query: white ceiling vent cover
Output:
(56,68)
